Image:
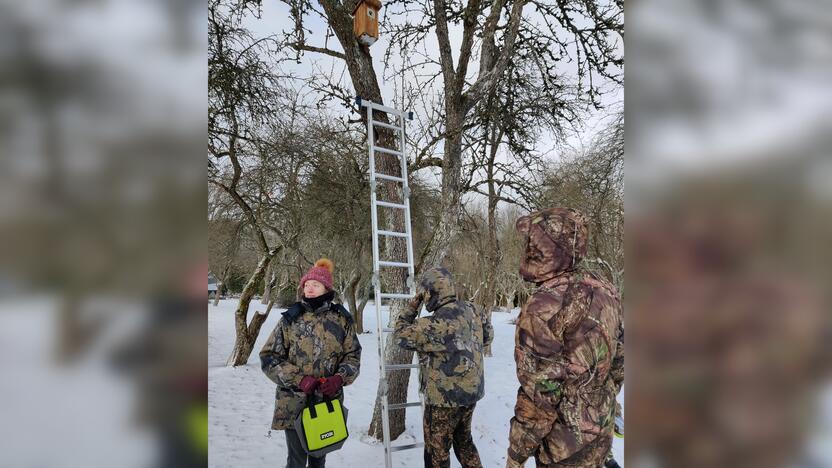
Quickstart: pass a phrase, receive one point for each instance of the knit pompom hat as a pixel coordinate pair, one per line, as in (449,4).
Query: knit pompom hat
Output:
(322,272)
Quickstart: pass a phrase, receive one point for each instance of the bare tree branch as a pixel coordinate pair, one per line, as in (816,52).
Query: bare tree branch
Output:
(321,50)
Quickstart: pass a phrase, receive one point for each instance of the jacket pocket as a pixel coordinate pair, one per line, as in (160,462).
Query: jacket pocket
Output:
(288,404)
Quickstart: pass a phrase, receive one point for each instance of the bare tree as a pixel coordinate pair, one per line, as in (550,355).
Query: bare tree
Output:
(224,242)
(593,182)
(335,203)
(240,95)
(504,163)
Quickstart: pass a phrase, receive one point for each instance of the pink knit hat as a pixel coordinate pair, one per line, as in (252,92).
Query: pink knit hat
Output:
(322,271)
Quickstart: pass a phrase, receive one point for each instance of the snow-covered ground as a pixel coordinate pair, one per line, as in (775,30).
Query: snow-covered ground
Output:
(75,415)
(241,400)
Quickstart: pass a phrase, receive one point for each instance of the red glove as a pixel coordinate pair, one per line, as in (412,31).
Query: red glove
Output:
(331,385)
(308,384)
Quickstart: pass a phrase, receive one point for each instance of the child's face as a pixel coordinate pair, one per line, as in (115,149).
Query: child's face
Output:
(313,289)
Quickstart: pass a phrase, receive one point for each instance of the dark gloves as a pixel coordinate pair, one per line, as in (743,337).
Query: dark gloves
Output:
(416,302)
(331,385)
(308,384)
(413,308)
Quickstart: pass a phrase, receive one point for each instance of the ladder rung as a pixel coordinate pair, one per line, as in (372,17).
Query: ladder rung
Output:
(395,296)
(386,125)
(382,149)
(404,405)
(391,205)
(401,366)
(389,177)
(406,447)
(393,234)
(393,264)
(379,107)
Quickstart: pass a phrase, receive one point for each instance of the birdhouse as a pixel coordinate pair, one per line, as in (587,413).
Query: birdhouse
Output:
(365,21)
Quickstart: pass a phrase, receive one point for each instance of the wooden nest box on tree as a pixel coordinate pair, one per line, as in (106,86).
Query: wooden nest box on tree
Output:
(365,21)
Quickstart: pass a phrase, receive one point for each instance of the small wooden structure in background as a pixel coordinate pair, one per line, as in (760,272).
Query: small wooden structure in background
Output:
(365,21)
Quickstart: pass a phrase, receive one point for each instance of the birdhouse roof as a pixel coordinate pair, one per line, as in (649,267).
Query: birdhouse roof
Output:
(376,4)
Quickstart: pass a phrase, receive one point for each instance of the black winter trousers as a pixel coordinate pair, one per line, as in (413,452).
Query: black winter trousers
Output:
(297,456)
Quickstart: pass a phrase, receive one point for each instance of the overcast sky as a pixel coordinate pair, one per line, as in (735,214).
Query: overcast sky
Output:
(275,18)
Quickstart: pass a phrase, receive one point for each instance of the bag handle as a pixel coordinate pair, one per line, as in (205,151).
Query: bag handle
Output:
(310,403)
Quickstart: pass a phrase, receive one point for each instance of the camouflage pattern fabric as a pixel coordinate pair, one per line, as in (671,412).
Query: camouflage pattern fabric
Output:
(590,455)
(444,427)
(567,349)
(556,242)
(319,343)
(449,342)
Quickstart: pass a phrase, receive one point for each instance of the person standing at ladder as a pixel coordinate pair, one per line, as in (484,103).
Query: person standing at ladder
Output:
(450,345)
(567,349)
(313,347)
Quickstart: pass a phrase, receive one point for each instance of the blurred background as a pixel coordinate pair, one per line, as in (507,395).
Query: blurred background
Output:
(103,115)
(728,200)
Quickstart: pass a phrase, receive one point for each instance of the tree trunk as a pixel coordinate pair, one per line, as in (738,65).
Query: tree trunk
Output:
(244,341)
(360,311)
(223,281)
(439,245)
(397,384)
(358,316)
(492,255)
(257,323)
(352,291)
(271,279)
(493,259)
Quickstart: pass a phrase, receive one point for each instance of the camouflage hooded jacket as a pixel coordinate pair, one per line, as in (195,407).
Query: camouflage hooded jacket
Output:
(568,345)
(449,342)
(318,343)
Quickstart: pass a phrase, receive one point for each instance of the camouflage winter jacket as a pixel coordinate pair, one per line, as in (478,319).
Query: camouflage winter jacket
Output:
(318,343)
(568,345)
(449,342)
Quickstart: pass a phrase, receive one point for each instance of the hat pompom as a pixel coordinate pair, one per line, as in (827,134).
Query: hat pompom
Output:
(325,263)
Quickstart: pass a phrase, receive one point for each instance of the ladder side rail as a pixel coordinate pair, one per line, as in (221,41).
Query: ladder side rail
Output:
(377,289)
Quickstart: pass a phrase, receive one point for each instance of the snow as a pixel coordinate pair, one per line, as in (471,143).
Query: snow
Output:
(69,416)
(241,401)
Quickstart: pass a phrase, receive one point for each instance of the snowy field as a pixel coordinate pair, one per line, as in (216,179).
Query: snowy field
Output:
(241,401)
(78,415)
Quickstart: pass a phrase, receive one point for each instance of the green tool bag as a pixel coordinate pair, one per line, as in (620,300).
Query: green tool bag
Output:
(322,427)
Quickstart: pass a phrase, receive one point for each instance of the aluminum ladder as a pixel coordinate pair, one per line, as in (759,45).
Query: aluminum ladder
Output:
(399,129)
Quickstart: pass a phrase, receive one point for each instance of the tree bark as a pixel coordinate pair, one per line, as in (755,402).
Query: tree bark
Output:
(493,251)
(223,281)
(271,279)
(397,385)
(352,291)
(257,323)
(244,341)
